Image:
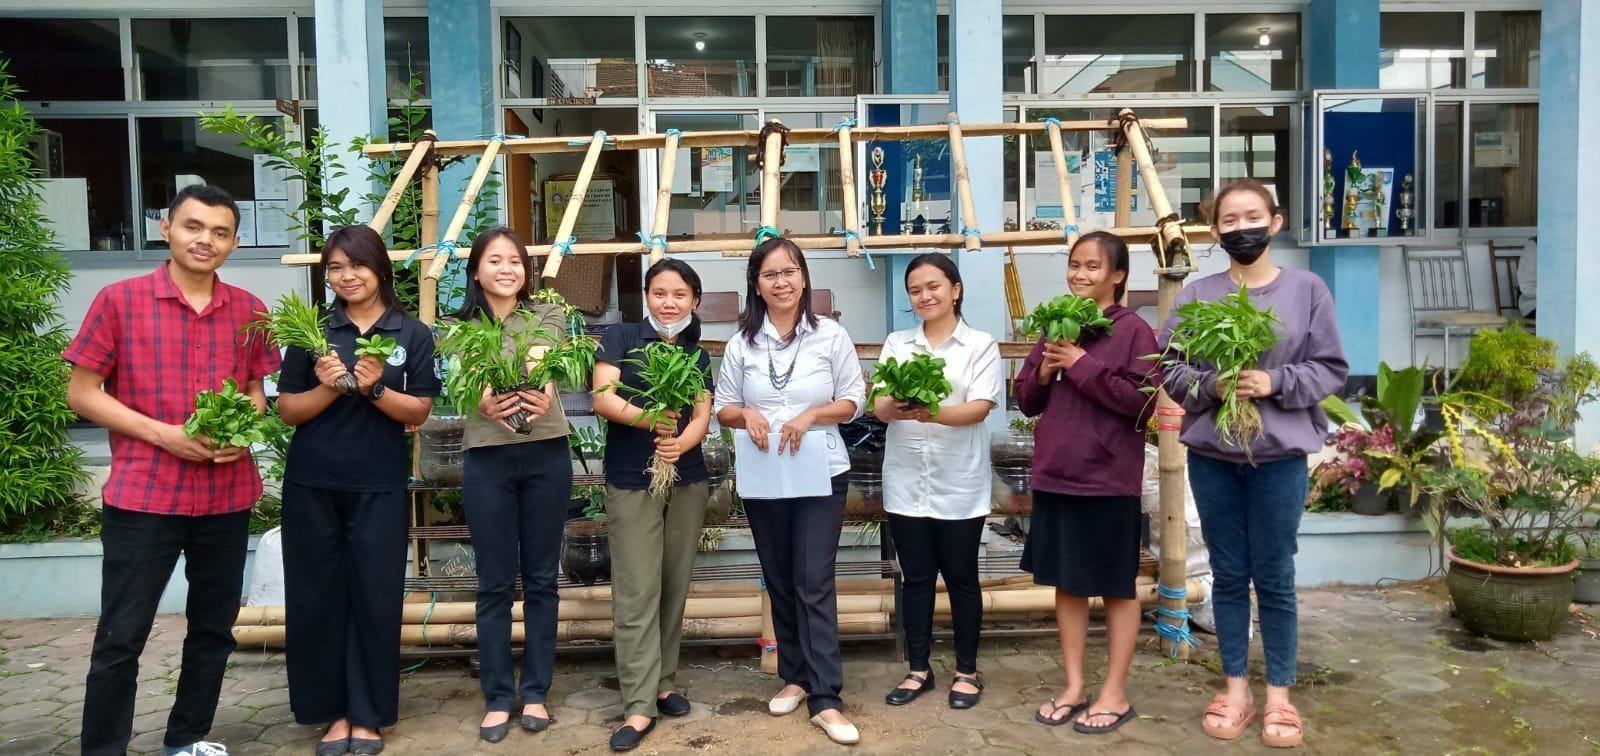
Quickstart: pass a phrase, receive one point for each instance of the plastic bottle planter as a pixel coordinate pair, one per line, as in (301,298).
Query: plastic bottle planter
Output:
(864,497)
(441,450)
(1011,457)
(719,470)
(586,552)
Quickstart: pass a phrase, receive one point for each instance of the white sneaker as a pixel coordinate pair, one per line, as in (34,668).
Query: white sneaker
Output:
(843,734)
(782,705)
(201,748)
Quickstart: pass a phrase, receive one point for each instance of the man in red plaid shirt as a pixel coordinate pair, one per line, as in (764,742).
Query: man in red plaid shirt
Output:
(149,344)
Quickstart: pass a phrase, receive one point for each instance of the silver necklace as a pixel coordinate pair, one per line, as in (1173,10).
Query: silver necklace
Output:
(772,368)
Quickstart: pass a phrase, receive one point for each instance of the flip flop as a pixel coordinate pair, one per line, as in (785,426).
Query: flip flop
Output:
(1241,718)
(1122,719)
(1283,716)
(1053,720)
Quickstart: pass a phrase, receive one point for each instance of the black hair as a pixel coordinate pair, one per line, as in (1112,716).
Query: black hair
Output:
(755,308)
(475,304)
(945,266)
(365,248)
(208,195)
(1116,254)
(689,276)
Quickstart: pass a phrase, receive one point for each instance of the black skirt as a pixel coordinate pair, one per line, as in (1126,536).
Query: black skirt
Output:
(1084,545)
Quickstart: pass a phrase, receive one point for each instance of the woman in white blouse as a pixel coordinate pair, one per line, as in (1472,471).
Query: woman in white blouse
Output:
(936,477)
(788,372)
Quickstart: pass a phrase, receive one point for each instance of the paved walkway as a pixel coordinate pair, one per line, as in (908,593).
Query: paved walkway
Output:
(1383,670)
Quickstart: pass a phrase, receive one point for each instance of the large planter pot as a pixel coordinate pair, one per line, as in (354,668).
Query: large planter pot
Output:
(1011,457)
(719,471)
(1368,500)
(586,551)
(1510,603)
(441,439)
(1586,588)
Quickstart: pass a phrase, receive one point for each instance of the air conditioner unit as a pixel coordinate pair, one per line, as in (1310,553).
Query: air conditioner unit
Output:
(47,155)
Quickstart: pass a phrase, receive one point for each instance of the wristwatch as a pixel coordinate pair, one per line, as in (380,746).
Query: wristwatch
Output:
(376,393)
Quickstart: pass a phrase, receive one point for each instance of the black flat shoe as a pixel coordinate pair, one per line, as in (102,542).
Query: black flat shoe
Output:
(1121,719)
(333,747)
(966,700)
(495,733)
(673,705)
(366,746)
(626,738)
(532,723)
(1055,708)
(903,696)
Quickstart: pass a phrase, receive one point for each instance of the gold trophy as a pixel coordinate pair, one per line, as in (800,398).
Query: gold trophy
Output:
(877,177)
(1352,192)
(1405,213)
(908,224)
(1328,219)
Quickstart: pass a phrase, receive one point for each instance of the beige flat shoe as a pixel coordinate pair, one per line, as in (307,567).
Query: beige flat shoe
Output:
(782,705)
(843,734)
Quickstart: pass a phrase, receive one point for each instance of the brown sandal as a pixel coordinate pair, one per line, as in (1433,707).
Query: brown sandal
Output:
(1239,718)
(1282,716)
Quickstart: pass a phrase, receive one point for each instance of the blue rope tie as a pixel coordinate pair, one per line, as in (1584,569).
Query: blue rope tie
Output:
(501,138)
(674,132)
(848,123)
(564,247)
(601,135)
(1049,121)
(447,246)
(848,235)
(653,241)
(766,232)
(1178,634)
(970,231)
(1068,230)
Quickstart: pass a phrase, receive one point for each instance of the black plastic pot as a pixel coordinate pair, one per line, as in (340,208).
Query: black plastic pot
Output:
(1368,500)
(586,551)
(520,421)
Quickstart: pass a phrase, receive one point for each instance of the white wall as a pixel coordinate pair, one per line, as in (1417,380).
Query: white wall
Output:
(264,278)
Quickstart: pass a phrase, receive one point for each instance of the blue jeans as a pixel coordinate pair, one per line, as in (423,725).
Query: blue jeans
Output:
(1250,517)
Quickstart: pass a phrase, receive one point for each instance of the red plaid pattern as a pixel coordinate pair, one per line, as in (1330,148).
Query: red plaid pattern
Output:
(156,353)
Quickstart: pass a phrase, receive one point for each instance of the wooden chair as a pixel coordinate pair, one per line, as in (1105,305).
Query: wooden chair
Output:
(1504,259)
(822,303)
(1439,289)
(719,307)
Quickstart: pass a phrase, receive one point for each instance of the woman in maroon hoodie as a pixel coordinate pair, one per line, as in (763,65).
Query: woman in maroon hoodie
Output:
(1088,465)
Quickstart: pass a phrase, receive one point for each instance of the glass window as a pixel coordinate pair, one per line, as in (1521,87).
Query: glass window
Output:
(64,59)
(810,199)
(828,56)
(1503,183)
(1447,164)
(1253,142)
(211,58)
(715,190)
(701,56)
(1252,52)
(1370,146)
(1016,50)
(405,52)
(1421,51)
(175,152)
(83,166)
(1507,49)
(1182,157)
(1134,53)
(569,56)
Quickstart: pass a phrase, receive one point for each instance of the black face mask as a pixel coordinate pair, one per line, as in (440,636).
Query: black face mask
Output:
(1246,244)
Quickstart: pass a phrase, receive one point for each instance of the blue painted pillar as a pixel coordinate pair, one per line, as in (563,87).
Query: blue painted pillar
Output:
(461,57)
(1569,177)
(910,66)
(1342,53)
(976,84)
(350,84)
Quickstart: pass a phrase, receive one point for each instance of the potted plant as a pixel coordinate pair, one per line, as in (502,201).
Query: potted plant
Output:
(575,399)
(719,476)
(442,442)
(1350,478)
(1508,420)
(226,418)
(1396,466)
(1586,587)
(586,544)
(298,323)
(918,382)
(1011,458)
(481,359)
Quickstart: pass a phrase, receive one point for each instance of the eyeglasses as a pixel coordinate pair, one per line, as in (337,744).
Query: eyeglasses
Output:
(772,276)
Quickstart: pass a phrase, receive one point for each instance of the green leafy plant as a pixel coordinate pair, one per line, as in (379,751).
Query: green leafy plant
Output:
(575,321)
(377,345)
(226,418)
(569,364)
(270,461)
(1065,318)
(1024,425)
(39,467)
(1409,450)
(918,381)
(484,355)
(673,381)
(587,443)
(1228,335)
(298,323)
(594,498)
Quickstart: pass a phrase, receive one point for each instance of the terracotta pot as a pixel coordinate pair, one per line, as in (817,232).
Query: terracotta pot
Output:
(1510,603)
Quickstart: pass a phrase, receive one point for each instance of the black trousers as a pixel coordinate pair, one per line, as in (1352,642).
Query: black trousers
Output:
(140,553)
(344,566)
(515,498)
(928,548)
(797,541)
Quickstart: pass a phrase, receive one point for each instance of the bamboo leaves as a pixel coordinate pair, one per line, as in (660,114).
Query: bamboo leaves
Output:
(919,380)
(1230,335)
(227,418)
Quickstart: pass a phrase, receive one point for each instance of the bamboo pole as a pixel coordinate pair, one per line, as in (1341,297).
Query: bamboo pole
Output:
(380,219)
(663,214)
(771,164)
(580,191)
(428,289)
(847,186)
(1069,212)
(769,635)
(750,138)
(1124,207)
(464,210)
(466,634)
(1159,202)
(958,162)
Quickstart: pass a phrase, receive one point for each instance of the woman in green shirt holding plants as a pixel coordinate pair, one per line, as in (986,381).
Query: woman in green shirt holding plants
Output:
(507,354)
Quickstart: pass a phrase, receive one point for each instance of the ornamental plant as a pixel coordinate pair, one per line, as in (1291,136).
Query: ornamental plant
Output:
(298,323)
(1065,318)
(226,418)
(39,468)
(1227,336)
(377,345)
(569,364)
(673,382)
(919,381)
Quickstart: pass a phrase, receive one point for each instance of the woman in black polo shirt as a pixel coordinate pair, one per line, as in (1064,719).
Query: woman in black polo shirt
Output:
(344,499)
(653,538)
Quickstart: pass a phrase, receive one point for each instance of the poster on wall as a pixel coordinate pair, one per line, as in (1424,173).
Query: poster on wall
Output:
(1496,149)
(716,169)
(802,158)
(1047,190)
(597,219)
(271,183)
(272,223)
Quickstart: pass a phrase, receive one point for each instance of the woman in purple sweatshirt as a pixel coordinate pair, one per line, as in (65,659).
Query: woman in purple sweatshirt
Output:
(1088,465)
(1250,505)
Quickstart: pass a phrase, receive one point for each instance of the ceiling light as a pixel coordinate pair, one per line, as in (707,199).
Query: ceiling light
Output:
(1264,40)
(700,41)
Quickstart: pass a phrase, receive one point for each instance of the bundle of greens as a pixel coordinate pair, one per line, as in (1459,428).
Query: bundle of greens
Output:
(226,418)
(1229,335)
(378,346)
(298,323)
(480,359)
(569,364)
(919,381)
(1066,318)
(673,382)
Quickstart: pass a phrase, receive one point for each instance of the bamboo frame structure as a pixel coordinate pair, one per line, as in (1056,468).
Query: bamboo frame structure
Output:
(569,216)
(1069,210)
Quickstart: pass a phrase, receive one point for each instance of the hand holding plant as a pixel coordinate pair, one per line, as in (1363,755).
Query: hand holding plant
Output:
(298,323)
(487,368)
(917,382)
(1227,336)
(226,419)
(1066,318)
(673,383)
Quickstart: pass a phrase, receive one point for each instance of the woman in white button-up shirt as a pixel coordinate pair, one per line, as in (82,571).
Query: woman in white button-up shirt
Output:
(936,476)
(789,371)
